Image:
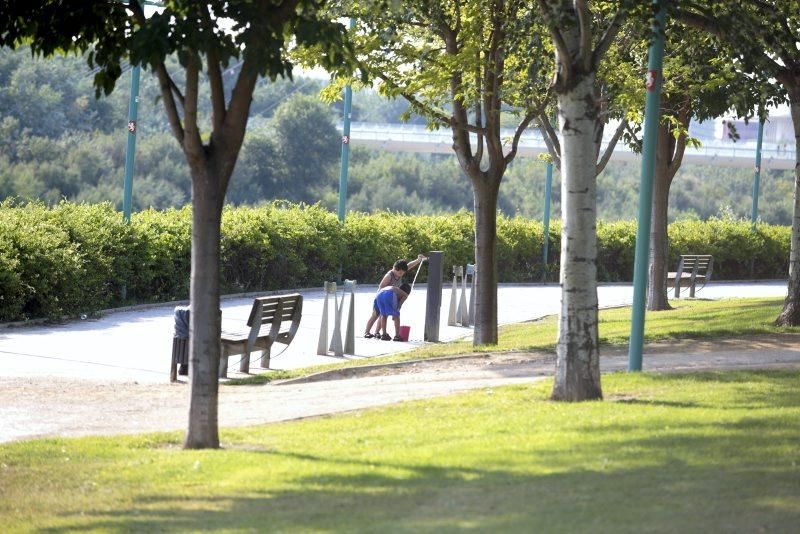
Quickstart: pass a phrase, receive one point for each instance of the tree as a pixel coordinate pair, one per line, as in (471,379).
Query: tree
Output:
(203,35)
(764,35)
(699,83)
(309,146)
(291,158)
(459,63)
(581,37)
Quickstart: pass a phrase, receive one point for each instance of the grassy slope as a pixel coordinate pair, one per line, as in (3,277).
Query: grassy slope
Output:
(702,452)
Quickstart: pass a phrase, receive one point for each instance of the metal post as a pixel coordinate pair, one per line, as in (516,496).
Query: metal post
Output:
(348,102)
(548,185)
(130,154)
(651,119)
(757,175)
(433,303)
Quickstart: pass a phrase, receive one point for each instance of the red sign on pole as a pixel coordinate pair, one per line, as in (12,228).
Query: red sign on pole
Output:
(345,139)
(650,80)
(132,127)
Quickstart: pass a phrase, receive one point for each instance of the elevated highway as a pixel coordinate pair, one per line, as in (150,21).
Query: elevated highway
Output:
(416,138)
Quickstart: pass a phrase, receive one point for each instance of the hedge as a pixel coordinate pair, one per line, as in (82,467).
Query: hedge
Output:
(79,258)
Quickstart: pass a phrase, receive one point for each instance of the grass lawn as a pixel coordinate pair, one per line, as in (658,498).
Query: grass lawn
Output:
(690,319)
(703,452)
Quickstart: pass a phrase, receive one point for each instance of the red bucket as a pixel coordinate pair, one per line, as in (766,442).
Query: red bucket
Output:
(404,332)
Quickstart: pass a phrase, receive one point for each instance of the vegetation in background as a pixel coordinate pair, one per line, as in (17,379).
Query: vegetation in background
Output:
(57,142)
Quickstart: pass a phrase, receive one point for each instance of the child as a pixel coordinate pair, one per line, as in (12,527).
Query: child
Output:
(388,302)
(394,278)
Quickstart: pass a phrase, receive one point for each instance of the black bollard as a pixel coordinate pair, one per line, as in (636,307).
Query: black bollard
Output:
(433,303)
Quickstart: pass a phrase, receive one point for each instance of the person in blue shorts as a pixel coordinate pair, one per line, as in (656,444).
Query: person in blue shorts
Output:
(388,301)
(394,277)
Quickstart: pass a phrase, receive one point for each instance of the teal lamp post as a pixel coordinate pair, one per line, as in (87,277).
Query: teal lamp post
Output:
(651,119)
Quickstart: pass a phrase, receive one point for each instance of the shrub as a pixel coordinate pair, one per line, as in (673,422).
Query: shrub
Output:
(50,269)
(162,267)
(106,245)
(616,249)
(77,258)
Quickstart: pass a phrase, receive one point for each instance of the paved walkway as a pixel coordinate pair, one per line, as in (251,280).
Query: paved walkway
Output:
(135,345)
(32,407)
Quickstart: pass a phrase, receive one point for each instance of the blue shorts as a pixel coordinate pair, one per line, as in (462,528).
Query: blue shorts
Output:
(386,303)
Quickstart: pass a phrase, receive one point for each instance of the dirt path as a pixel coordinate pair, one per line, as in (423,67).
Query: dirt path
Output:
(64,407)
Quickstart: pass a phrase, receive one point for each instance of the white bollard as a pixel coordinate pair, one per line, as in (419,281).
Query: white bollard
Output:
(322,344)
(463,311)
(336,339)
(451,314)
(350,331)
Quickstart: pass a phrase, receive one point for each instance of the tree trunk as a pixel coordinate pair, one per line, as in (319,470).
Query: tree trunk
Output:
(659,247)
(485,201)
(790,314)
(578,358)
(205,321)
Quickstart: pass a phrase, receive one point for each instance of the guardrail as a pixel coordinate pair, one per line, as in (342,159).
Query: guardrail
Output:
(417,138)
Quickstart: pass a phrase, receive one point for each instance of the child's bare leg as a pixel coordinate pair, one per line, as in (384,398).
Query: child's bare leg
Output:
(396,319)
(372,318)
(383,324)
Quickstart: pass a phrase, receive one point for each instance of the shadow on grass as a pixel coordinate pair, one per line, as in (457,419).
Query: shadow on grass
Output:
(671,497)
(685,473)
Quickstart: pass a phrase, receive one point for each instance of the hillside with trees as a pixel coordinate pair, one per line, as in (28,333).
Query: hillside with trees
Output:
(57,141)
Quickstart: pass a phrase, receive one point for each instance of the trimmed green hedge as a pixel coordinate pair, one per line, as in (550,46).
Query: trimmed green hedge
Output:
(79,258)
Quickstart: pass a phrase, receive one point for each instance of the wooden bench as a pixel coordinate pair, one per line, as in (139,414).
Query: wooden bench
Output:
(692,269)
(272,319)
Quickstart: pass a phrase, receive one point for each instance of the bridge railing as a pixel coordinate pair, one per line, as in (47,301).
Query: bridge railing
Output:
(416,137)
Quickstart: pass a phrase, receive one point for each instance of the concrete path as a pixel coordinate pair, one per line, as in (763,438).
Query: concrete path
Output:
(33,407)
(135,345)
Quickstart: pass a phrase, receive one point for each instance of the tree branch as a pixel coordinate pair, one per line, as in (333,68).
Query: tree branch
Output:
(460,119)
(562,51)
(478,109)
(608,37)
(684,116)
(166,83)
(193,144)
(521,127)
(491,94)
(429,110)
(550,139)
(214,77)
(632,134)
(585,27)
(610,148)
(706,22)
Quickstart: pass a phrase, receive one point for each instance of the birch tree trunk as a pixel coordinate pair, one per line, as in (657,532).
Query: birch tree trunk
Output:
(485,203)
(578,358)
(205,320)
(790,314)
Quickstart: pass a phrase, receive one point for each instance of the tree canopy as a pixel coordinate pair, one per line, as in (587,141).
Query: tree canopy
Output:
(204,36)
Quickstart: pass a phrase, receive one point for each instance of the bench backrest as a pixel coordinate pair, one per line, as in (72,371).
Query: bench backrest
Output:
(281,312)
(699,264)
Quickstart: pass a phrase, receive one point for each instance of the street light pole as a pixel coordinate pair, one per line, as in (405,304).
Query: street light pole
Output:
(651,119)
(130,154)
(348,102)
(757,175)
